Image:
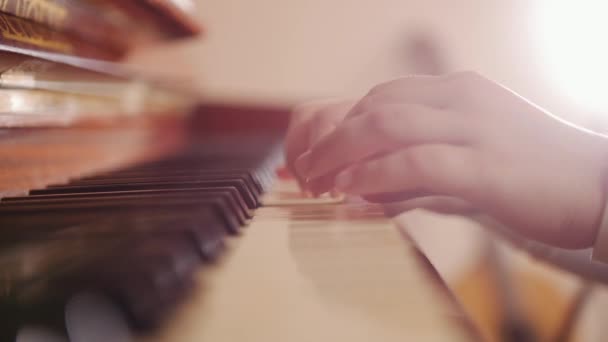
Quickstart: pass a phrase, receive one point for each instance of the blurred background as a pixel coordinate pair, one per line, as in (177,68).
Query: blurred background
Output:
(284,51)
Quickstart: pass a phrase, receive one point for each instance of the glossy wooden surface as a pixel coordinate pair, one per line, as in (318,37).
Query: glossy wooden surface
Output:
(317,272)
(36,157)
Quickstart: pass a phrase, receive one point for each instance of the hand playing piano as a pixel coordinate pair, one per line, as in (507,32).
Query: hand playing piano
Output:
(310,122)
(455,143)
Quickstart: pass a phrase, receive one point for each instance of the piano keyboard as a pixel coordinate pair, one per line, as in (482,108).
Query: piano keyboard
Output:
(194,247)
(136,235)
(306,271)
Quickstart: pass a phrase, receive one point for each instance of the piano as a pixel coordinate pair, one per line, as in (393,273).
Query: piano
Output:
(200,240)
(133,209)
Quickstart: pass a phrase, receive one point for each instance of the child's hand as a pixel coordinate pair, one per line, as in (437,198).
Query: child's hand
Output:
(460,136)
(309,123)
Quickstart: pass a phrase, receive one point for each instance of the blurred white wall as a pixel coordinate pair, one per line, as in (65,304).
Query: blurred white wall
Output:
(288,50)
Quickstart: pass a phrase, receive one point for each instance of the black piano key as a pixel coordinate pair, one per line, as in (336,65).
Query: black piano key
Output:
(48,213)
(249,175)
(230,194)
(175,251)
(168,271)
(156,183)
(207,237)
(198,165)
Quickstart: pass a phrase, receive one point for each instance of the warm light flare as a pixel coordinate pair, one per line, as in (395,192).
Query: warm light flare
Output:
(573,40)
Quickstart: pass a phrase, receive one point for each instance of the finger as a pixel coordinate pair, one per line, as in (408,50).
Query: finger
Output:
(295,143)
(387,128)
(429,169)
(310,122)
(438,204)
(296,138)
(325,122)
(298,133)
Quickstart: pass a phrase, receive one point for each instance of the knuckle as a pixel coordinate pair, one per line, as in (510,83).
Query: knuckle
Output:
(380,88)
(365,105)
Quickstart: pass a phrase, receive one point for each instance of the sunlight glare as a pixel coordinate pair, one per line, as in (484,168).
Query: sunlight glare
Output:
(574,46)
